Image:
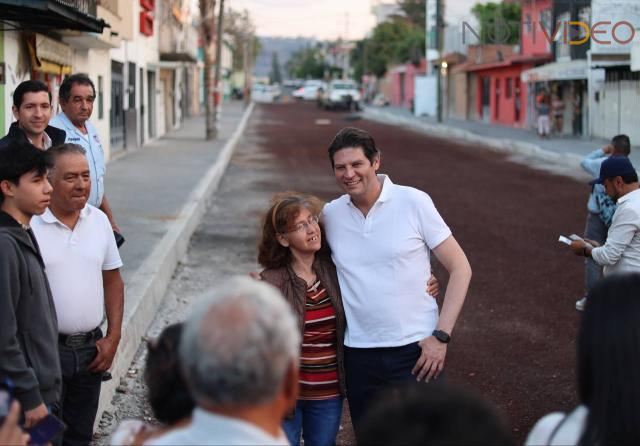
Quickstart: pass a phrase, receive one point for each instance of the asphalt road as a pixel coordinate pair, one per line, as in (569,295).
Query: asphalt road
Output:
(514,343)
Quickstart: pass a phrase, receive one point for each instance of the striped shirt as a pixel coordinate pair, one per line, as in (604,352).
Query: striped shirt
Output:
(318,360)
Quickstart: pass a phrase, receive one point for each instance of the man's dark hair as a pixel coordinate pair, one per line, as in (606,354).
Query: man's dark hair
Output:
(30,86)
(19,159)
(432,415)
(168,393)
(608,360)
(630,178)
(621,145)
(70,81)
(353,137)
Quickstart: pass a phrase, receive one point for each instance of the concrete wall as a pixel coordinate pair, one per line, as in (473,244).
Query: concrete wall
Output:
(17,69)
(143,51)
(533,40)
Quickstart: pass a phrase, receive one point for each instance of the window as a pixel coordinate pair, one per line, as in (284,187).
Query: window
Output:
(509,87)
(528,24)
(100,98)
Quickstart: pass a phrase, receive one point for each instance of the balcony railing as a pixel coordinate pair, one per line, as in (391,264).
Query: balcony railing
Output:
(87,7)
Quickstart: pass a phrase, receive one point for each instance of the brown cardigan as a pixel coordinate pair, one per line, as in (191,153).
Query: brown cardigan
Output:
(294,290)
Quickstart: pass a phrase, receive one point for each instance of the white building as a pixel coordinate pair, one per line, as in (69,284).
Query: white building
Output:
(614,89)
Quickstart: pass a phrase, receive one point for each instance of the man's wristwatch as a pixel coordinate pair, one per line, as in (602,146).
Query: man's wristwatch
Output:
(441,336)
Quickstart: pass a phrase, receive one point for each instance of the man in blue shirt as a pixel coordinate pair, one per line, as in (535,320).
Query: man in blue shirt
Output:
(600,206)
(77,94)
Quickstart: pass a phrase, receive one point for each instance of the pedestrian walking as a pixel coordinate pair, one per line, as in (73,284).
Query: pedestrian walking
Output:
(82,263)
(239,354)
(77,95)
(600,207)
(28,323)
(543,107)
(607,372)
(394,332)
(32,111)
(621,251)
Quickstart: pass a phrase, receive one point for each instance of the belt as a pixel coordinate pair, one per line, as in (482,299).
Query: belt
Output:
(79,339)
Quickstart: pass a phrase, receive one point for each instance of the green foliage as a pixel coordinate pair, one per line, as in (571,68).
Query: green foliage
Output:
(275,76)
(240,27)
(415,11)
(307,63)
(392,42)
(499,22)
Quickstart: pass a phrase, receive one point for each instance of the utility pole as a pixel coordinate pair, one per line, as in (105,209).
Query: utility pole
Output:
(439,70)
(206,9)
(216,79)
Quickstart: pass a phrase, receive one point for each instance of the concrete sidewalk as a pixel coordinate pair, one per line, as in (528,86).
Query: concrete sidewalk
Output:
(159,195)
(564,152)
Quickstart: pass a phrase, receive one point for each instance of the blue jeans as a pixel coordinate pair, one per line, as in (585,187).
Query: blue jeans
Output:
(80,393)
(596,230)
(317,421)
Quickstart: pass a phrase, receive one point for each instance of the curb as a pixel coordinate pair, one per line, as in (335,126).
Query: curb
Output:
(145,291)
(501,145)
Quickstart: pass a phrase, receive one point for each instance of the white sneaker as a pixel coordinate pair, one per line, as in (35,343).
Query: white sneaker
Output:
(581,303)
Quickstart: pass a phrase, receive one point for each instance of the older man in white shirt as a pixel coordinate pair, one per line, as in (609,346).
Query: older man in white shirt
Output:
(82,265)
(240,353)
(621,252)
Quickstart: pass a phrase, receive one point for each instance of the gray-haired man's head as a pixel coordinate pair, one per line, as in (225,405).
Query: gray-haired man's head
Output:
(239,344)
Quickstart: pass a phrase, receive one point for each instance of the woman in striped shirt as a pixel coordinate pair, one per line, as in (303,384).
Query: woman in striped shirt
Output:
(298,263)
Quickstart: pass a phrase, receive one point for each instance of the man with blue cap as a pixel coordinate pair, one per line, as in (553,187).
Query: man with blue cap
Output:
(621,251)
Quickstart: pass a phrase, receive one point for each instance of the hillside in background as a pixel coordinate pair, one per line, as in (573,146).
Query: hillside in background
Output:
(284,47)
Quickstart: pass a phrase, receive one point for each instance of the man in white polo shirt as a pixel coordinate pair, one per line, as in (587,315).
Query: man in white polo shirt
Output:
(77,94)
(82,264)
(381,235)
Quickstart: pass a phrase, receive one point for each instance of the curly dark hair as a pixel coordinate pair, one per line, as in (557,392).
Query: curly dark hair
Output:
(168,393)
(285,208)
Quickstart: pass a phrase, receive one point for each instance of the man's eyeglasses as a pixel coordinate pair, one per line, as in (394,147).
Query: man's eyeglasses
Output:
(304,225)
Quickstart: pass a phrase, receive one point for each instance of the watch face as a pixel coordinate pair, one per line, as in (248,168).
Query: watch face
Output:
(441,336)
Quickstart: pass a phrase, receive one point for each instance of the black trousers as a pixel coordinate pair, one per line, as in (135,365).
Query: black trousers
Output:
(373,370)
(80,393)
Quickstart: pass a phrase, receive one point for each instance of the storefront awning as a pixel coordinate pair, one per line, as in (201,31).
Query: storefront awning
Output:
(557,71)
(36,15)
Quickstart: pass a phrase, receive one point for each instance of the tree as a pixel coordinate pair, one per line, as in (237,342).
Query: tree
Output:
(207,25)
(307,63)
(240,27)
(395,41)
(275,75)
(414,11)
(499,22)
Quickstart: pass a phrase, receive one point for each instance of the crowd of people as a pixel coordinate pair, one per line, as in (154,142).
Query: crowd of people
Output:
(344,308)
(59,261)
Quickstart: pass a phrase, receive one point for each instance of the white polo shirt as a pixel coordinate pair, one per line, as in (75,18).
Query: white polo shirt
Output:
(74,262)
(383,265)
(95,153)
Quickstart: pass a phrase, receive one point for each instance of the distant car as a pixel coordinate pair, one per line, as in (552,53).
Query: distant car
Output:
(309,91)
(342,94)
(265,93)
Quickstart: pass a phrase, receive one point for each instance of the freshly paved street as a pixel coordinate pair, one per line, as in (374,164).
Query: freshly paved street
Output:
(514,343)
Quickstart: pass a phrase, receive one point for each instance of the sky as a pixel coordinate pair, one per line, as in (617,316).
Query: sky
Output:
(325,19)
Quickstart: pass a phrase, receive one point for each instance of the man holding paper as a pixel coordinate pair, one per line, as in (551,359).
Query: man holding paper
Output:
(621,252)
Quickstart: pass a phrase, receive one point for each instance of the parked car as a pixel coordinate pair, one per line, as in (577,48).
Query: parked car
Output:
(342,94)
(309,91)
(265,93)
